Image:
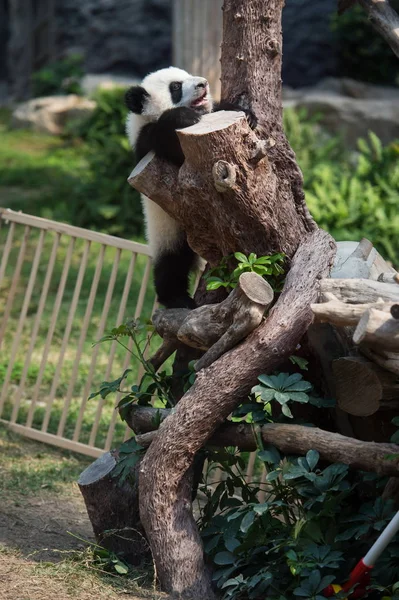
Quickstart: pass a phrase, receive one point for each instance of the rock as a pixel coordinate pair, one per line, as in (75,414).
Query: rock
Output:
(105,81)
(351,108)
(355,89)
(51,114)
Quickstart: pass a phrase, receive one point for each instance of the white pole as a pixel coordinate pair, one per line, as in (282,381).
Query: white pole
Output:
(382,542)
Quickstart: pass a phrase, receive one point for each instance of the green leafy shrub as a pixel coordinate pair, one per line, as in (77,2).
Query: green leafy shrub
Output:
(291,534)
(360,200)
(309,527)
(351,195)
(60,77)
(104,200)
(362,53)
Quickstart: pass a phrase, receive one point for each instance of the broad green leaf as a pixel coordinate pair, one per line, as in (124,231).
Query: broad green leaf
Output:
(231,544)
(281,397)
(121,568)
(224,558)
(312,458)
(260,509)
(247,521)
(267,380)
(298,397)
(299,386)
(270,454)
(294,378)
(286,411)
(215,285)
(240,257)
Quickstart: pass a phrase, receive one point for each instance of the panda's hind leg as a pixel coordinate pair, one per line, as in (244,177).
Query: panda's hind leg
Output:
(171,275)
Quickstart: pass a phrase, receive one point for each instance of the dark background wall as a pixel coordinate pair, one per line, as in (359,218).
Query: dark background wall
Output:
(119,36)
(133,37)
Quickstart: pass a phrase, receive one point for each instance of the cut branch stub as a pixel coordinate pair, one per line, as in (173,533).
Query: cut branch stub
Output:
(218,327)
(362,387)
(247,215)
(378,328)
(224,176)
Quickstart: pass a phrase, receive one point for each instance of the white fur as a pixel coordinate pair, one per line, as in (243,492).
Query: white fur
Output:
(162,231)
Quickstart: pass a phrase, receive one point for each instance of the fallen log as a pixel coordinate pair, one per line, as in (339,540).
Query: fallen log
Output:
(299,439)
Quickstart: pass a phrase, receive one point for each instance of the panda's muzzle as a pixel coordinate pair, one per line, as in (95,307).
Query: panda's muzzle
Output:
(203,89)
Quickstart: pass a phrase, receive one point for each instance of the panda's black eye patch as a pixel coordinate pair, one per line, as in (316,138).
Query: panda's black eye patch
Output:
(176,91)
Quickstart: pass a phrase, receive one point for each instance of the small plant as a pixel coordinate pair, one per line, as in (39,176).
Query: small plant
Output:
(283,388)
(269,267)
(152,385)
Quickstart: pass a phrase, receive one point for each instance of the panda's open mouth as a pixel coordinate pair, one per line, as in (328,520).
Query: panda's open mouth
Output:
(201,100)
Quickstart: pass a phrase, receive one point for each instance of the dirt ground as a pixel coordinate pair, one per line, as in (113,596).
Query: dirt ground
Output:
(44,530)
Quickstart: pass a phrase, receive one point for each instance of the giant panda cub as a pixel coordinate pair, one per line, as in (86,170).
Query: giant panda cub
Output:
(167,100)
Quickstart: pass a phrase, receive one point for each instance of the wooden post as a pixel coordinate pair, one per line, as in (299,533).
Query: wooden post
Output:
(197,36)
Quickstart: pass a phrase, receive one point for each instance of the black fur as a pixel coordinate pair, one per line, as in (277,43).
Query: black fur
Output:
(165,142)
(176,91)
(172,269)
(135,98)
(224,105)
(171,276)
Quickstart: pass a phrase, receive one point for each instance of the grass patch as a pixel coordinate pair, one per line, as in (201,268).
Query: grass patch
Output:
(39,560)
(27,467)
(75,577)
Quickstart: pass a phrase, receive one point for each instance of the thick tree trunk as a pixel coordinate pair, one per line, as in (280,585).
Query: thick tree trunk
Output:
(164,501)
(235,191)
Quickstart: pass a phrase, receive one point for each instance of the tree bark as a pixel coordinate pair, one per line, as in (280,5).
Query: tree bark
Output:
(236,191)
(217,327)
(164,505)
(113,509)
(299,439)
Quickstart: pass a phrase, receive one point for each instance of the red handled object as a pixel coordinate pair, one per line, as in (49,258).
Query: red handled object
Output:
(360,576)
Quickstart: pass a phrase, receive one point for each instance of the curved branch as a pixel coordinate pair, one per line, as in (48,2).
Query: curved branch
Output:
(163,508)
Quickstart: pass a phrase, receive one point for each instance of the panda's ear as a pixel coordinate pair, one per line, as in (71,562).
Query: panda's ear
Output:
(135,98)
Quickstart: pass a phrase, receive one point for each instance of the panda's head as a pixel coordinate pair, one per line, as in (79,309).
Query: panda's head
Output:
(168,88)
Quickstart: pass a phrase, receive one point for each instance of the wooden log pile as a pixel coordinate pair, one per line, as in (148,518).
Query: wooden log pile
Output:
(366,311)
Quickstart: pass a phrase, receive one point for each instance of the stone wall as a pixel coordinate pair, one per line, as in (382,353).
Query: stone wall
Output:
(309,50)
(134,37)
(117,36)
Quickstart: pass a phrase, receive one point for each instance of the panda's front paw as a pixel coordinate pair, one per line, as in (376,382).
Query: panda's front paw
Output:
(187,117)
(251,118)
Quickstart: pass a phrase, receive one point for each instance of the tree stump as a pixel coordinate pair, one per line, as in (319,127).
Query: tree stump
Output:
(113,509)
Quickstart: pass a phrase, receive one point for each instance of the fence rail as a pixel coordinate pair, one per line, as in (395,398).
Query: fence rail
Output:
(61,287)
